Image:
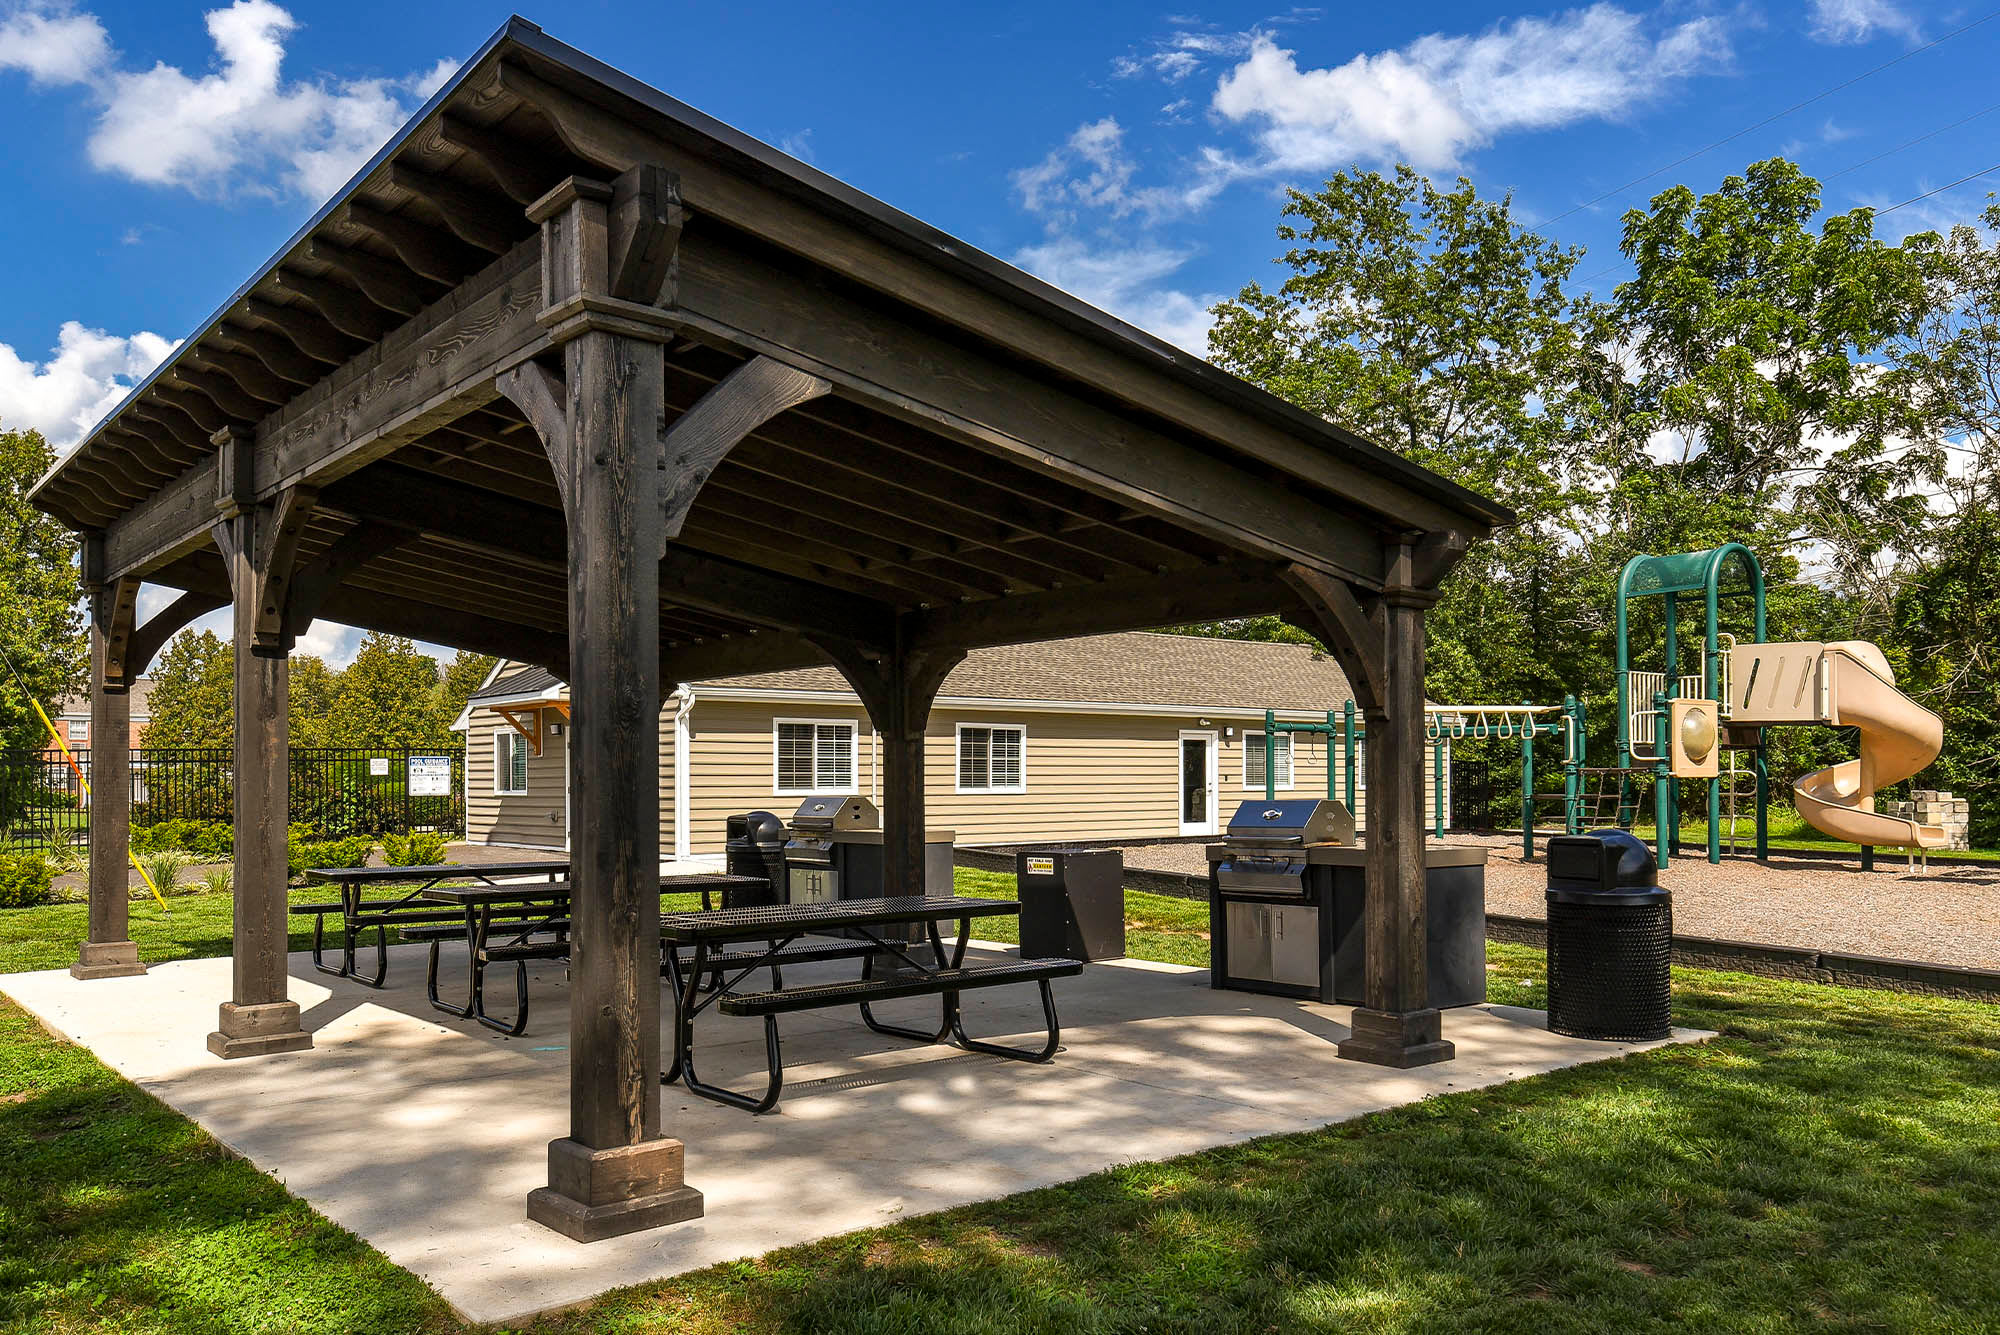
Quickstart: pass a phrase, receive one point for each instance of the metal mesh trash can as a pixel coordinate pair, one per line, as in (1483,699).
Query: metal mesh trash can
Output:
(1610,939)
(754,845)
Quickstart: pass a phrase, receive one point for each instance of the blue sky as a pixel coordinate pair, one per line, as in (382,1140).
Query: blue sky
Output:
(1133,154)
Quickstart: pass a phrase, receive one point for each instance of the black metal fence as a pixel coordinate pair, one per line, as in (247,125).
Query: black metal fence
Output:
(339,791)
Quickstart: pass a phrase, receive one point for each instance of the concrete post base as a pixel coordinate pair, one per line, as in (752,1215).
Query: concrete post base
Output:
(107,959)
(1387,1038)
(596,1194)
(258,1030)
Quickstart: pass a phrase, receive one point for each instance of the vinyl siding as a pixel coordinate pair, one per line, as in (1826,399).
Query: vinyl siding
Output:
(1088,775)
(533,820)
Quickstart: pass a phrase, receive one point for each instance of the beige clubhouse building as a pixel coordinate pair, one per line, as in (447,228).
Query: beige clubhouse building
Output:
(1128,736)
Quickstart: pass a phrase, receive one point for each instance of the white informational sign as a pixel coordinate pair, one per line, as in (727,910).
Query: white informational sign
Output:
(430,776)
(378,767)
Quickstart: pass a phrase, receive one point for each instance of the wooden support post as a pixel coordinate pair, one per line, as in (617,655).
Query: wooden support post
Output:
(601,424)
(258,544)
(109,951)
(1384,643)
(897,685)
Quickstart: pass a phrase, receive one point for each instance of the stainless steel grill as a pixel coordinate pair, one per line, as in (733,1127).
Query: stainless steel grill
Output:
(1267,843)
(813,867)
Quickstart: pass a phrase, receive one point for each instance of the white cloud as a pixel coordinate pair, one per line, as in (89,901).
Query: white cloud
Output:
(1432,101)
(1848,22)
(86,377)
(240,126)
(54,46)
(1126,280)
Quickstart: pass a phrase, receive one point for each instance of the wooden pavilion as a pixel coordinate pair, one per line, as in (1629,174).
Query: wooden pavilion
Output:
(574,374)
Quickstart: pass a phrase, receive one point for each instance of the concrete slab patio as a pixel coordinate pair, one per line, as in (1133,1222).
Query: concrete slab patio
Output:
(424,1135)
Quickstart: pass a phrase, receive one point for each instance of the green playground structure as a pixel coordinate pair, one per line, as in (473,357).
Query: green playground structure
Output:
(1453,723)
(1645,698)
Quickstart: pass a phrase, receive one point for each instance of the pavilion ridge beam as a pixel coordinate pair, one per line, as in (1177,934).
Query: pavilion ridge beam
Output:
(615,1172)
(744,400)
(108,950)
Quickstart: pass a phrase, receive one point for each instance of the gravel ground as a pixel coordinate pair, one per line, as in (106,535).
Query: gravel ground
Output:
(1948,915)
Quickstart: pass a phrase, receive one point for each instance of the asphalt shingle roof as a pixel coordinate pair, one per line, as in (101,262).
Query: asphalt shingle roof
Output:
(1132,667)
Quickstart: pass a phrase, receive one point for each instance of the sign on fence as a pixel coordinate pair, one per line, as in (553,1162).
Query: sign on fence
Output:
(378,767)
(430,776)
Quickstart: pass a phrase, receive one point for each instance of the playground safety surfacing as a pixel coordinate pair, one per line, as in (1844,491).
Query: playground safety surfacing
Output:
(424,1135)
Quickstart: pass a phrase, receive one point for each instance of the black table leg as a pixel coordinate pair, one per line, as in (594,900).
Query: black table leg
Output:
(472,986)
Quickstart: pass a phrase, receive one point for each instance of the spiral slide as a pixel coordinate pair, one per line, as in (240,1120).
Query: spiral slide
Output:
(1899,737)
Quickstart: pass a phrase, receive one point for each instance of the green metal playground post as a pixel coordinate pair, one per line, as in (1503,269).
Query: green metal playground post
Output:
(1663,785)
(1348,768)
(1270,747)
(1331,795)
(1437,785)
(1763,800)
(1573,766)
(1528,786)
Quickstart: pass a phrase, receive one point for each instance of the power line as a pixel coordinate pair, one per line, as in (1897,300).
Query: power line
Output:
(1778,116)
(1912,143)
(1987,171)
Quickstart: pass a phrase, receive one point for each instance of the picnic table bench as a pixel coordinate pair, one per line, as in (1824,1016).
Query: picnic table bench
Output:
(357,913)
(783,927)
(517,923)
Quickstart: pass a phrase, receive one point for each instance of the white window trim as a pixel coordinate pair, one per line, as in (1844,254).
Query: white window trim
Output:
(1291,774)
(853,757)
(958,742)
(503,771)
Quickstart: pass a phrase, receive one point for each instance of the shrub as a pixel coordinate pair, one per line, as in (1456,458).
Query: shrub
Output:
(66,859)
(211,841)
(420,848)
(164,866)
(24,881)
(329,853)
(218,882)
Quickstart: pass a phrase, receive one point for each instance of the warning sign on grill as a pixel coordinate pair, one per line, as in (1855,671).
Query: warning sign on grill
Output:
(1041,866)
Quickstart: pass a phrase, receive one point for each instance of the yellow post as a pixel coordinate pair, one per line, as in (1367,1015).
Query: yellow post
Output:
(56,736)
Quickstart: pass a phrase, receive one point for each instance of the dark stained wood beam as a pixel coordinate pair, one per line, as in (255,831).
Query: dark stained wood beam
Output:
(512,168)
(345,308)
(702,437)
(388,285)
(1331,611)
(430,252)
(301,328)
(218,389)
(1141,602)
(275,353)
(492,223)
(152,635)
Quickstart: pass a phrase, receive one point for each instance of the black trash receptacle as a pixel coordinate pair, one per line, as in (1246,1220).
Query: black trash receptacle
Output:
(754,846)
(1072,903)
(1610,939)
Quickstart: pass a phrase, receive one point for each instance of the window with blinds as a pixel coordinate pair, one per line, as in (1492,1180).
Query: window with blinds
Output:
(510,763)
(1255,747)
(991,759)
(814,757)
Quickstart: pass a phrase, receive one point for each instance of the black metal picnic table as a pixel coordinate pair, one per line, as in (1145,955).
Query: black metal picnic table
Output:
(533,924)
(781,927)
(358,914)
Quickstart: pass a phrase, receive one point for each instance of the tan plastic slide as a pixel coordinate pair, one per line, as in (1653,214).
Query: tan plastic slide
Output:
(1899,737)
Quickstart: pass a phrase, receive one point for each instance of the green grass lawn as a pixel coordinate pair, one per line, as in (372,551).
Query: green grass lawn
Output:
(1831,1161)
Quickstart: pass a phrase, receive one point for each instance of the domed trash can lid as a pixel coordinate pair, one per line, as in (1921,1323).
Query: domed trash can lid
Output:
(1604,867)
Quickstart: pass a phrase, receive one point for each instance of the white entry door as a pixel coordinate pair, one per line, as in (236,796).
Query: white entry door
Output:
(1199,773)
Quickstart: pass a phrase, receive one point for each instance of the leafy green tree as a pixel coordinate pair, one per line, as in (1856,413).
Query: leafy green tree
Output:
(41,620)
(462,676)
(194,693)
(1432,321)
(313,687)
(388,696)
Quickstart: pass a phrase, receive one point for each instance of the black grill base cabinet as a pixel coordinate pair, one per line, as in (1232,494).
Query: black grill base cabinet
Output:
(1257,943)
